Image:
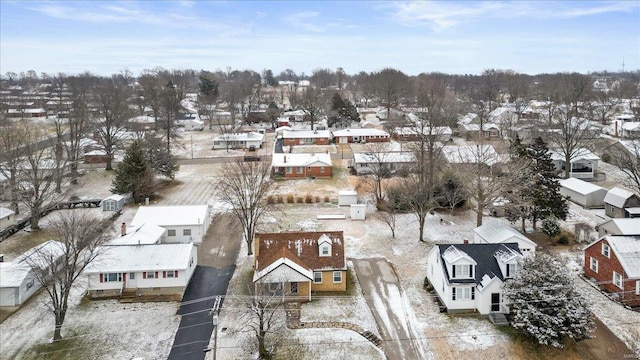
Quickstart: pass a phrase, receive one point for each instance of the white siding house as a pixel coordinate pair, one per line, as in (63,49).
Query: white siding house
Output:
(7,218)
(497,232)
(238,141)
(142,269)
(184,224)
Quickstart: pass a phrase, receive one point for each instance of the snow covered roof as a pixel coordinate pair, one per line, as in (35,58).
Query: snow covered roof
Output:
(476,127)
(579,154)
(302,159)
(171,215)
(252,136)
(347,193)
(5,213)
(306,134)
(130,258)
(294,113)
(627,250)
(360,132)
(453,254)
(580,186)
(307,273)
(626,226)
(498,232)
(617,197)
(484,256)
(436,130)
(143,119)
(116,197)
(386,157)
(144,234)
(13,273)
(471,154)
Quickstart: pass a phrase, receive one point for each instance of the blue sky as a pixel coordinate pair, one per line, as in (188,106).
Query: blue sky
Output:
(452,37)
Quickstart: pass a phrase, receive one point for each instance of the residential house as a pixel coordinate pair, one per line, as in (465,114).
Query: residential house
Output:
(360,136)
(141,123)
(619,226)
(306,137)
(134,270)
(18,279)
(584,163)
(184,224)
(621,203)
(498,232)
(145,234)
(490,131)
(585,194)
(302,165)
(295,115)
(7,218)
(471,154)
(370,162)
(296,264)
(613,262)
(438,133)
(96,157)
(470,277)
(238,141)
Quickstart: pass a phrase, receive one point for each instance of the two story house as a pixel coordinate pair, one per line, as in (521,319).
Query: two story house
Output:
(470,277)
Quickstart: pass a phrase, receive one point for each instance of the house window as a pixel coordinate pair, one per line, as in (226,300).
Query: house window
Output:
(132,276)
(294,287)
(511,270)
(617,280)
(462,271)
(171,274)
(299,169)
(322,169)
(289,170)
(463,293)
(171,233)
(325,249)
(151,275)
(191,262)
(112,277)
(594,265)
(317,277)
(275,288)
(30,284)
(606,250)
(186,232)
(337,276)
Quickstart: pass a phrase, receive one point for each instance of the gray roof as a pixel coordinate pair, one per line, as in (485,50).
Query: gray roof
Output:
(485,257)
(617,197)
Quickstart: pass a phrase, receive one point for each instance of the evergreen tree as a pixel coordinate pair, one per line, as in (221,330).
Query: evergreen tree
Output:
(133,176)
(268,78)
(160,160)
(545,192)
(544,303)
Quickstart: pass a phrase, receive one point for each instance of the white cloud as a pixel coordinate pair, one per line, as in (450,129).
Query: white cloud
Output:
(302,20)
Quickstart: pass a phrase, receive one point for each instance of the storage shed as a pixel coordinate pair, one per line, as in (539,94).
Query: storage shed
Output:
(585,194)
(347,197)
(358,211)
(114,202)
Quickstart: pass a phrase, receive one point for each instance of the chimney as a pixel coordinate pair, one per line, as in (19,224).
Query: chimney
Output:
(123,229)
(285,159)
(466,241)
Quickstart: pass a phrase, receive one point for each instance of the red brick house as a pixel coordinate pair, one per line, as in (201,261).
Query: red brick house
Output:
(292,166)
(295,264)
(306,137)
(360,136)
(614,263)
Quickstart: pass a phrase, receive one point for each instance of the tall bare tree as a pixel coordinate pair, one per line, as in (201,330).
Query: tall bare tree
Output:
(315,103)
(81,89)
(12,141)
(245,187)
(152,85)
(391,86)
(263,315)
(56,268)
(627,159)
(323,78)
(519,88)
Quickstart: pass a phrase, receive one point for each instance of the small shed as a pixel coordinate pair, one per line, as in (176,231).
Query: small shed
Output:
(358,211)
(114,202)
(347,197)
(585,194)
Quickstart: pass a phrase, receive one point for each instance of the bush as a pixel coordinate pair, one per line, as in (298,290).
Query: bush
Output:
(280,199)
(317,198)
(327,199)
(550,227)
(300,200)
(270,199)
(308,199)
(563,239)
(290,198)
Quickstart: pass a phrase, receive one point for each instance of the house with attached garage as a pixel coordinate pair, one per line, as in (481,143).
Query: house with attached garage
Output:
(585,194)
(347,136)
(296,264)
(306,137)
(134,270)
(497,232)
(183,224)
(613,262)
(470,277)
(145,234)
(18,278)
(621,203)
(292,166)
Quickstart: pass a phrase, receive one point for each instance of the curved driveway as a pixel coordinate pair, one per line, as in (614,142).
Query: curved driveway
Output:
(387,302)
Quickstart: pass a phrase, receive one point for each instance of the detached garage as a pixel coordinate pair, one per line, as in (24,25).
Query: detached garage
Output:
(587,195)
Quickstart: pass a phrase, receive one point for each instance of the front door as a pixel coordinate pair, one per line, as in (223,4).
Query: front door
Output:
(495,302)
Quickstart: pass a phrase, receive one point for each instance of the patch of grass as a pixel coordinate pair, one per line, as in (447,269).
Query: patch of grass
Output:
(71,348)
(25,241)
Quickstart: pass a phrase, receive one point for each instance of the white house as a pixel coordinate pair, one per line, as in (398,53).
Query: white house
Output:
(497,232)
(17,278)
(7,218)
(471,154)
(583,193)
(584,163)
(365,135)
(619,226)
(145,234)
(238,141)
(142,270)
(470,277)
(184,224)
(369,162)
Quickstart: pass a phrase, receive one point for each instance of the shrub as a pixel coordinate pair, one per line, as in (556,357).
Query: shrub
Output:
(327,199)
(280,199)
(550,227)
(317,198)
(563,239)
(270,199)
(308,199)
(290,198)
(300,200)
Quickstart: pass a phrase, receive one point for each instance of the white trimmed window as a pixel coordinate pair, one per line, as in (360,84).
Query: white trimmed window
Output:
(288,170)
(317,277)
(511,270)
(112,277)
(150,274)
(594,264)
(337,277)
(462,271)
(617,280)
(186,232)
(322,169)
(171,274)
(325,249)
(171,233)
(299,169)
(606,250)
(463,293)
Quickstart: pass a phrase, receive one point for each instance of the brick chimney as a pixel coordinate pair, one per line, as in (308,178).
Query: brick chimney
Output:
(123,229)
(465,241)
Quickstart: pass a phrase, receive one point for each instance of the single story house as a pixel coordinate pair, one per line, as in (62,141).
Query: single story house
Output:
(621,203)
(302,165)
(184,224)
(141,123)
(96,157)
(585,194)
(18,280)
(295,264)
(471,154)
(163,269)
(306,137)
(614,263)
(489,131)
(238,141)
(584,163)
(7,218)
(438,133)
(619,226)
(370,162)
(470,277)
(498,232)
(191,124)
(145,234)
(346,136)
(295,115)
(113,202)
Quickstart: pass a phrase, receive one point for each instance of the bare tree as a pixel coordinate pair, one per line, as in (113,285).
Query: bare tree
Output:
(388,214)
(519,89)
(80,89)
(323,78)
(12,140)
(79,236)
(263,315)
(152,90)
(315,103)
(391,86)
(245,186)
(378,156)
(628,161)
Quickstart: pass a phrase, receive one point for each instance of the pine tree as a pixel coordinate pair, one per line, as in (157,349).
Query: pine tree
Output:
(545,192)
(544,303)
(133,176)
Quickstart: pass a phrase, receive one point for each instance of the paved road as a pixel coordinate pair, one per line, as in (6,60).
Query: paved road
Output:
(386,301)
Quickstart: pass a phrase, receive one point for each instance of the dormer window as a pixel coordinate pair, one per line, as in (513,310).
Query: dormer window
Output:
(511,270)
(325,249)
(462,271)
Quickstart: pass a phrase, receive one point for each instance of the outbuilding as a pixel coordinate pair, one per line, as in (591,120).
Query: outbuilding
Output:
(585,194)
(114,202)
(358,211)
(347,197)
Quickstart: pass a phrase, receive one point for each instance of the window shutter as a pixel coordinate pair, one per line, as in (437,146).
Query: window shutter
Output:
(176,273)
(144,274)
(101,278)
(454,271)
(156,274)
(473,293)
(164,274)
(453,293)
(470,270)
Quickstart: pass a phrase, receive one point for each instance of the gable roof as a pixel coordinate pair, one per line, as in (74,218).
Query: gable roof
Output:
(13,273)
(360,132)
(306,134)
(577,155)
(498,232)
(580,186)
(302,159)
(286,258)
(171,215)
(471,154)
(144,234)
(627,250)
(129,258)
(384,157)
(485,256)
(302,249)
(625,226)
(617,197)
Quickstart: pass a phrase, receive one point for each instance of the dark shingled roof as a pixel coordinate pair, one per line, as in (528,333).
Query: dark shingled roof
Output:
(483,254)
(301,248)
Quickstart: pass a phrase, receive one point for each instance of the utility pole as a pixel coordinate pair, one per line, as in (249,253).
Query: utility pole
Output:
(215,311)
